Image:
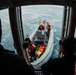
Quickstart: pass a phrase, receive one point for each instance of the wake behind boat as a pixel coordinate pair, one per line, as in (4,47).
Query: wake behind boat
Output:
(47,39)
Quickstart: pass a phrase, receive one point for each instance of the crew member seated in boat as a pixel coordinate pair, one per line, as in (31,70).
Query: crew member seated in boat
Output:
(65,64)
(34,39)
(26,42)
(40,51)
(48,27)
(25,45)
(27,39)
(31,50)
(41,27)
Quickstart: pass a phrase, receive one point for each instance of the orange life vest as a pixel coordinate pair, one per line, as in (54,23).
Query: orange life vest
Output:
(41,48)
(32,48)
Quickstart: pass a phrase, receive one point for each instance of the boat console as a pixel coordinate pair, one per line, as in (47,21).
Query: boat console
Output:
(40,34)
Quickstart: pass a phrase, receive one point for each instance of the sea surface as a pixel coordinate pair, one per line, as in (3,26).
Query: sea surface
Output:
(31,16)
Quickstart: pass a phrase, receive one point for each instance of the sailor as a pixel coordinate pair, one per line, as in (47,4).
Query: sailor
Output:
(31,50)
(48,27)
(27,39)
(40,50)
(41,27)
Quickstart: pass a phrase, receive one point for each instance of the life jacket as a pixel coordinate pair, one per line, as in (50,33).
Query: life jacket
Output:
(40,51)
(41,48)
(32,48)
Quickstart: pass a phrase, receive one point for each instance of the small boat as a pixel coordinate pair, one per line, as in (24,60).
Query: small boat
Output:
(41,37)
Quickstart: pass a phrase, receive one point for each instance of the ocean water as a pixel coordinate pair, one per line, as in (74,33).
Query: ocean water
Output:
(31,16)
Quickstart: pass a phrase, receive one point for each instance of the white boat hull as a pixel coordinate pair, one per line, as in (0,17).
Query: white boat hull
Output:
(48,52)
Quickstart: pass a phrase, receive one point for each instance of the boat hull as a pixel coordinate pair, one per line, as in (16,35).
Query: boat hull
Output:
(48,52)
